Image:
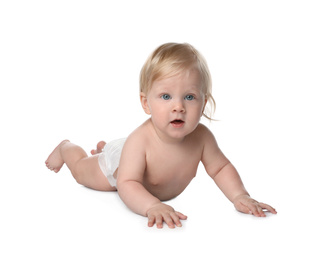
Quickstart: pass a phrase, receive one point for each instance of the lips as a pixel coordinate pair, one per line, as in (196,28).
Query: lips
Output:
(177,123)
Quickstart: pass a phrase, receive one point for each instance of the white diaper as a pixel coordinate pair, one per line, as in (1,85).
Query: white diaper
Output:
(109,159)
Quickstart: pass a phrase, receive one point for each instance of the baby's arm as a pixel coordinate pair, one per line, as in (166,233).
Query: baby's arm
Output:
(227,178)
(133,193)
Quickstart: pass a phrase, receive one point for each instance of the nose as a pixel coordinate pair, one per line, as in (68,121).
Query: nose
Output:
(178,107)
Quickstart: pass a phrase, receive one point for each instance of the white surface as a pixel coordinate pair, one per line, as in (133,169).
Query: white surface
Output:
(69,69)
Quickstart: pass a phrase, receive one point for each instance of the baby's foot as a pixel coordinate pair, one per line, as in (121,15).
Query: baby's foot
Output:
(55,161)
(100,147)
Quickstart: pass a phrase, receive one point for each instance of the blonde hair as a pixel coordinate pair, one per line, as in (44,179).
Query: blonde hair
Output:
(171,59)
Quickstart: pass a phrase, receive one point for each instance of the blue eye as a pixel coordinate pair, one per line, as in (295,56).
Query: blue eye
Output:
(189,97)
(166,97)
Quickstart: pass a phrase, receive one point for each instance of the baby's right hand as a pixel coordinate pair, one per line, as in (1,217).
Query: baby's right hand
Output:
(161,212)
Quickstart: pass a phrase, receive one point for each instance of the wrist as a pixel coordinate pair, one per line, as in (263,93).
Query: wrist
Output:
(151,206)
(237,197)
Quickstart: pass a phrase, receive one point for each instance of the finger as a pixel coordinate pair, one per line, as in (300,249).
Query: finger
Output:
(159,221)
(180,215)
(176,219)
(260,211)
(268,207)
(253,210)
(151,221)
(169,221)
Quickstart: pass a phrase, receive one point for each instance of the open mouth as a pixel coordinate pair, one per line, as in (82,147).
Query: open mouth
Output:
(177,123)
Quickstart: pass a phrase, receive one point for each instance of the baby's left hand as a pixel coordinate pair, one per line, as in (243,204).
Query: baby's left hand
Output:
(246,204)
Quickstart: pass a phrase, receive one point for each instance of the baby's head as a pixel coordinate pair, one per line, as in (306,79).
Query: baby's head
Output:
(171,59)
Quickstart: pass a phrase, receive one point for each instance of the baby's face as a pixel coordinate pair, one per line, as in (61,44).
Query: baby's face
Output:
(176,104)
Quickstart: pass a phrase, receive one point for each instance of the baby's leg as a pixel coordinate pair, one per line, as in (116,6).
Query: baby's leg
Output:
(84,169)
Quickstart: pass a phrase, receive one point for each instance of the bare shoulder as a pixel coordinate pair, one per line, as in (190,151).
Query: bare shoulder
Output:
(208,139)
(139,136)
(204,138)
(204,134)
(136,144)
(202,129)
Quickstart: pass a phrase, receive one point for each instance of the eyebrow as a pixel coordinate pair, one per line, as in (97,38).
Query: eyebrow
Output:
(190,88)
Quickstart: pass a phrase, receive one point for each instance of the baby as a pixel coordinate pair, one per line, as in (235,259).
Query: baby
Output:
(159,159)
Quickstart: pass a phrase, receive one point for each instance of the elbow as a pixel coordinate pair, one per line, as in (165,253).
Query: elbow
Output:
(126,188)
(215,171)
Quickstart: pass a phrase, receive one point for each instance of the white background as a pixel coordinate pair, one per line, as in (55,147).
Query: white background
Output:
(69,69)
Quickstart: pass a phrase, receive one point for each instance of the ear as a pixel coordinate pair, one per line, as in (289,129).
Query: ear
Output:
(205,102)
(144,102)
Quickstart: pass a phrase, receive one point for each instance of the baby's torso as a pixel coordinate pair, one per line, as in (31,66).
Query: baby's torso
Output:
(170,168)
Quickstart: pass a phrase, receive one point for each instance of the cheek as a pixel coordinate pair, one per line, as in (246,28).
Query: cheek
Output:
(156,109)
(198,109)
